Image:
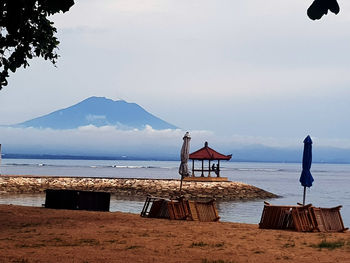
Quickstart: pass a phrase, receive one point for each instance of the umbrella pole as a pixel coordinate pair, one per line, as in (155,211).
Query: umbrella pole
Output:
(181,185)
(304,195)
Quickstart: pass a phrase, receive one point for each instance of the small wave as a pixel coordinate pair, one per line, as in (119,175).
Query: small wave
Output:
(17,164)
(137,167)
(255,169)
(27,164)
(160,167)
(126,166)
(321,171)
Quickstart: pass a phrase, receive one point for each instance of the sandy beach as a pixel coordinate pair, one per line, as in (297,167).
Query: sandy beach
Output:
(35,234)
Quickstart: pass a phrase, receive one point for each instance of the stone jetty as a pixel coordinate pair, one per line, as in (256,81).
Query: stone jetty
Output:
(131,187)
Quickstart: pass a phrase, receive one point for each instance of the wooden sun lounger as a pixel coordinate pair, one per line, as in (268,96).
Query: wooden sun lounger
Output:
(276,217)
(180,209)
(203,211)
(155,208)
(328,219)
(302,218)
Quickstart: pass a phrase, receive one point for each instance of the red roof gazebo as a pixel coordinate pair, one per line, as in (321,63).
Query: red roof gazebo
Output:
(207,153)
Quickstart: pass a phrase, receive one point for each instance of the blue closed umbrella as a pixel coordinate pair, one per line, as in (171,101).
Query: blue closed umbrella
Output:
(306,178)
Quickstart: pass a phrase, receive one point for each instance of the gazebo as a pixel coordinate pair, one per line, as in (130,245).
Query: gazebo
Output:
(207,154)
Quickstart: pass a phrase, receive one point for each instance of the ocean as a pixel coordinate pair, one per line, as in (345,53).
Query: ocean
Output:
(331,186)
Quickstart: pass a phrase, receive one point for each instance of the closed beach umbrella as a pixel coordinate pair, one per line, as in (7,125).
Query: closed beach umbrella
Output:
(183,169)
(306,178)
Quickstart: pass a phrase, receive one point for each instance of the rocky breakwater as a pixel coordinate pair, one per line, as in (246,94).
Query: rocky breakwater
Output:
(134,187)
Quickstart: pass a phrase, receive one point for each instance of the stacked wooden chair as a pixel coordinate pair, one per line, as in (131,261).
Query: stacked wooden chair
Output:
(302,218)
(180,209)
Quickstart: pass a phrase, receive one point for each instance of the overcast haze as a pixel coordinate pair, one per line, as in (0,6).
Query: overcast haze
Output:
(250,71)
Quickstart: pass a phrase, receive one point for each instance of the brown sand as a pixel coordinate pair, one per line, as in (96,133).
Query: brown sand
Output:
(32,234)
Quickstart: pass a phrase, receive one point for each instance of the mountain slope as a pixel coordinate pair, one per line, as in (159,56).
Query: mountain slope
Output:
(99,111)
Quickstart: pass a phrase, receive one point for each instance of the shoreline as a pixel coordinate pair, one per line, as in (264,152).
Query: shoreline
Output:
(137,187)
(48,235)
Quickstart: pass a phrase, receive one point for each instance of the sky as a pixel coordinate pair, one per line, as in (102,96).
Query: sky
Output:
(228,71)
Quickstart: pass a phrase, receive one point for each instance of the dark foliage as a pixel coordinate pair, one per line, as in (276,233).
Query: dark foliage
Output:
(26,32)
(320,7)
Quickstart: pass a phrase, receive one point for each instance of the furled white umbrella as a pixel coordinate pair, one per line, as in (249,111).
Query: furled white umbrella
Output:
(183,169)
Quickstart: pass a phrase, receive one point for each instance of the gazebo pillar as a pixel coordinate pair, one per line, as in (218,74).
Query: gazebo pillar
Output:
(218,168)
(209,170)
(202,175)
(192,168)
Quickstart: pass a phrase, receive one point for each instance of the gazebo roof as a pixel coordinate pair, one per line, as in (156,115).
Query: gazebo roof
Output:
(207,153)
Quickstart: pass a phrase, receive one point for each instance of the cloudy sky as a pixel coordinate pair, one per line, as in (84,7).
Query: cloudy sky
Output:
(248,71)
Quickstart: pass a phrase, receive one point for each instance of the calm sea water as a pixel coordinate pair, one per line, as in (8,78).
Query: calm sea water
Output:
(331,187)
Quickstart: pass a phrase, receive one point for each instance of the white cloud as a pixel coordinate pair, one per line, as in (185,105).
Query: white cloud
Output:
(108,140)
(92,117)
(260,70)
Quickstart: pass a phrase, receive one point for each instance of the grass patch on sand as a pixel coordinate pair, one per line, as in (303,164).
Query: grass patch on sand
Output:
(111,241)
(115,241)
(73,243)
(88,241)
(329,244)
(30,225)
(289,244)
(59,242)
(219,244)
(199,244)
(202,244)
(22,260)
(132,247)
(216,261)
(30,246)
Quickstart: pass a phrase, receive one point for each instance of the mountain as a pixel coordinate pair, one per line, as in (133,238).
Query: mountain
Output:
(99,111)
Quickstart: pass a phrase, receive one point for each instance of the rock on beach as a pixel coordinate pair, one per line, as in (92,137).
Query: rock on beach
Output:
(134,187)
